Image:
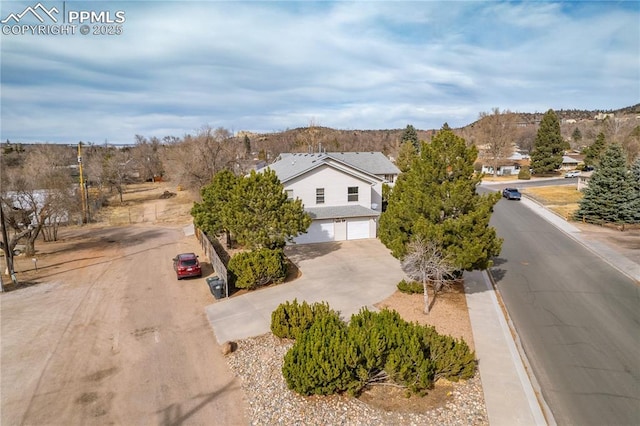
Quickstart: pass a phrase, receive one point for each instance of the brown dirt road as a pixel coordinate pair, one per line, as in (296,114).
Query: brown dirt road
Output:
(109,336)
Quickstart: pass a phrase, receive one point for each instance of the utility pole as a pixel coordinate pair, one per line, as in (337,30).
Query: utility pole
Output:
(82,188)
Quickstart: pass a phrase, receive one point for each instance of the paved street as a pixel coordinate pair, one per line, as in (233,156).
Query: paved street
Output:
(578,319)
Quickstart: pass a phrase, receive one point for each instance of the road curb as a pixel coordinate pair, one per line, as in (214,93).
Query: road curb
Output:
(537,390)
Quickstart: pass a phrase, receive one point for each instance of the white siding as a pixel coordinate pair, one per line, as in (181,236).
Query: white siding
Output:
(335,184)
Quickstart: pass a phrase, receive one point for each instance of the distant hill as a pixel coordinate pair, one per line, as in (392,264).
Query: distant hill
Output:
(316,138)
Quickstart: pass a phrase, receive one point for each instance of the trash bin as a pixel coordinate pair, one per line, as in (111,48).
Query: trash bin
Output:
(216,286)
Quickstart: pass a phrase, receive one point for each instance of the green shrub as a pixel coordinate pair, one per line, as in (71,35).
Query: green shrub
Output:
(291,318)
(452,358)
(391,345)
(524,174)
(331,357)
(257,268)
(408,363)
(412,287)
(317,362)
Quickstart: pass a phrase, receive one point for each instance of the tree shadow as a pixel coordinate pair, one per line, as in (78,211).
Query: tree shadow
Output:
(497,274)
(300,252)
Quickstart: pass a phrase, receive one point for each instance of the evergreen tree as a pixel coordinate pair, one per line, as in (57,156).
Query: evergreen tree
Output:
(576,135)
(436,200)
(261,215)
(610,195)
(634,181)
(211,215)
(406,154)
(593,152)
(549,146)
(411,135)
(247,146)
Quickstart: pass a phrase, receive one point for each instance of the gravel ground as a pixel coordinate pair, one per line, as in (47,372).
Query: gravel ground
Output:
(258,363)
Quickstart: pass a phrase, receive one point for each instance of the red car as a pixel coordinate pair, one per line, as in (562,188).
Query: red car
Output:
(187,265)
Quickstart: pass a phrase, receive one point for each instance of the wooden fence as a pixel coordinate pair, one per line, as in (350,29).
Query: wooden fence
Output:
(216,254)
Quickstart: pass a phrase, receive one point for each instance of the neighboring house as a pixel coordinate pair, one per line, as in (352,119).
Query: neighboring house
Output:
(569,163)
(341,191)
(39,197)
(510,166)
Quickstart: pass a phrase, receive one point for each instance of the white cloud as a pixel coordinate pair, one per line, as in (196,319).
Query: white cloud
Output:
(269,66)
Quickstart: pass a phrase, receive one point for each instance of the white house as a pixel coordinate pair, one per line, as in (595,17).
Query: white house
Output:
(509,166)
(341,191)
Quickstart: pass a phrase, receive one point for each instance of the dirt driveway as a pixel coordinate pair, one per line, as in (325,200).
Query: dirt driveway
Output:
(109,336)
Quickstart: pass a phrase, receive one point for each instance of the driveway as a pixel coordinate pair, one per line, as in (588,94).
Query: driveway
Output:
(348,275)
(103,333)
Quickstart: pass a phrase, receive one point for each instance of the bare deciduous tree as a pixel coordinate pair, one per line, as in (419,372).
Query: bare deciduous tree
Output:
(195,160)
(496,134)
(147,157)
(424,262)
(118,168)
(39,196)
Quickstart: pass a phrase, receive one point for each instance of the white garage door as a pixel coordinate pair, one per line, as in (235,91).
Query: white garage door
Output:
(357,229)
(320,231)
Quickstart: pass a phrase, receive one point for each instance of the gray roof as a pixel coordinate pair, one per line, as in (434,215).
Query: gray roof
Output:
(290,165)
(566,159)
(340,212)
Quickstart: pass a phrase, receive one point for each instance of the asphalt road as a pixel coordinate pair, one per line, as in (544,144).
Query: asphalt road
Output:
(577,317)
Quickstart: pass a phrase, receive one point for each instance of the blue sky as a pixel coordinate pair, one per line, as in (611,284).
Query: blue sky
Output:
(268,66)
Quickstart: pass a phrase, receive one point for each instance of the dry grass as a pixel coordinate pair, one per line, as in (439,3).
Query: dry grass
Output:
(563,200)
(557,195)
(142,203)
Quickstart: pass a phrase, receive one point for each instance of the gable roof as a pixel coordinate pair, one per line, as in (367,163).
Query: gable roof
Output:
(374,164)
(569,160)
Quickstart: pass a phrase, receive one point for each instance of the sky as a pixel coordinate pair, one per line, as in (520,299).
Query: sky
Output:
(171,68)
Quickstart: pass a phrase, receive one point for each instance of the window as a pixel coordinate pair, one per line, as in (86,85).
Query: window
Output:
(319,195)
(352,193)
(289,193)
(389,178)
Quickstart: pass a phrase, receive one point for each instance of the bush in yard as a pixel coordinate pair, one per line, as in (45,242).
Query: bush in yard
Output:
(452,358)
(292,318)
(257,268)
(524,174)
(331,357)
(317,362)
(412,287)
(390,349)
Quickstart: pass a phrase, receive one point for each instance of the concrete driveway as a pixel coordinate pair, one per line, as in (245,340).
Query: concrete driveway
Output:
(347,274)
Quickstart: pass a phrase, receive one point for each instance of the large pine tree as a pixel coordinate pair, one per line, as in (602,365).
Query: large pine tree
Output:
(410,135)
(634,180)
(549,146)
(436,201)
(261,215)
(610,196)
(593,152)
(210,215)
(254,209)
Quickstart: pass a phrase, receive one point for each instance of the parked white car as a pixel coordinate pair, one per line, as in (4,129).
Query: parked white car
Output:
(572,174)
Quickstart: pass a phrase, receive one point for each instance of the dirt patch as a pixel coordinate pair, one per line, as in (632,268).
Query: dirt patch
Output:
(101,332)
(394,399)
(449,314)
